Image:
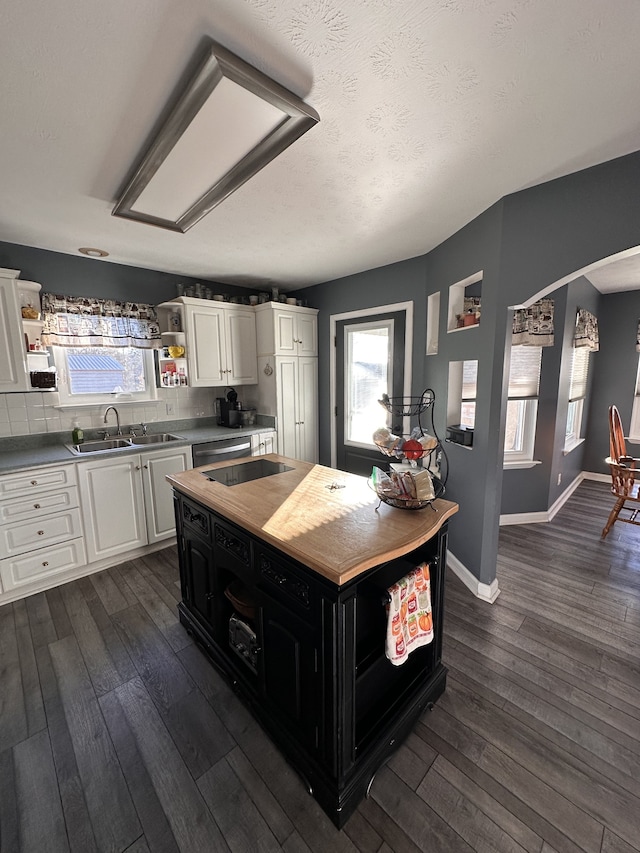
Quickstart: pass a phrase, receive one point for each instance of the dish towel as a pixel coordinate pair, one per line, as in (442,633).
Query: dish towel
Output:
(409,618)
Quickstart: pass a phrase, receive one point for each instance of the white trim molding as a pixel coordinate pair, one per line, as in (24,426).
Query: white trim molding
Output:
(548,515)
(407,307)
(483,591)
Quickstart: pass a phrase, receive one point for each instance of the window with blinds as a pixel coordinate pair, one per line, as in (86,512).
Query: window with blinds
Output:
(524,372)
(577,393)
(579,374)
(522,405)
(469,393)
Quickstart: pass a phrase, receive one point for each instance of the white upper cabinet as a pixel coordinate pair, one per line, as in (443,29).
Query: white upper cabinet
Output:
(286,329)
(14,371)
(220,342)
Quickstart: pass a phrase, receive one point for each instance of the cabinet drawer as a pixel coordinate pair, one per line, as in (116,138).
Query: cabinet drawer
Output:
(37,505)
(42,564)
(37,480)
(232,550)
(36,533)
(196,517)
(284,582)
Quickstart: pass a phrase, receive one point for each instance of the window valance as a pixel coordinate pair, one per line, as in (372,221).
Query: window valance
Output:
(638,338)
(75,321)
(533,326)
(586,333)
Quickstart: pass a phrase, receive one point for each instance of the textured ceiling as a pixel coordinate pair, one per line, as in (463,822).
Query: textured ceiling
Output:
(431,110)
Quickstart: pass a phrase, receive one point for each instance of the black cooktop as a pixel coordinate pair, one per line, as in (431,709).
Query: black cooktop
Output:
(232,475)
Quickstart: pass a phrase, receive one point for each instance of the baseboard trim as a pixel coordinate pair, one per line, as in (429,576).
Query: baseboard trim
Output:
(483,591)
(523,518)
(548,515)
(599,478)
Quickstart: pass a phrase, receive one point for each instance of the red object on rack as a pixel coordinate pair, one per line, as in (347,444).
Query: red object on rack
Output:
(412,449)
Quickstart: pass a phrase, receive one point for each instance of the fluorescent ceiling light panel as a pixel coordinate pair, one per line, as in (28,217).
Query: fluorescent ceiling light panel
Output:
(229,123)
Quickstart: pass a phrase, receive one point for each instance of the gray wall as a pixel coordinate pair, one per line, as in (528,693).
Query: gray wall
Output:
(531,242)
(74,275)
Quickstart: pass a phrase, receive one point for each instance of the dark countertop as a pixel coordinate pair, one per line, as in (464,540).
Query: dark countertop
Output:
(29,451)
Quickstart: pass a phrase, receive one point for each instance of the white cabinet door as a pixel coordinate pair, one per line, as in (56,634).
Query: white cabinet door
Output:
(112,505)
(287,391)
(285,332)
(14,375)
(295,332)
(158,494)
(241,358)
(307,334)
(307,409)
(205,346)
(297,407)
(221,345)
(263,443)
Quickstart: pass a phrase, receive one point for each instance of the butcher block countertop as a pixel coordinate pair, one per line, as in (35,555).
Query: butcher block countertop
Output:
(326,519)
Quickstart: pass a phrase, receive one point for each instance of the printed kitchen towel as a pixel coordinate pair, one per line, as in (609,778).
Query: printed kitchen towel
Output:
(409,619)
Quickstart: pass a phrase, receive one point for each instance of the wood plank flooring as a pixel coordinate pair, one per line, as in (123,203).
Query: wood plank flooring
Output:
(117,735)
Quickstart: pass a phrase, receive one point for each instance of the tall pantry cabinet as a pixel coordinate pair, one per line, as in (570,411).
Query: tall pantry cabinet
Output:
(287,338)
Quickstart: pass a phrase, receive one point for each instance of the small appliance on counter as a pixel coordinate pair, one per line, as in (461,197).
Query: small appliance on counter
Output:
(229,409)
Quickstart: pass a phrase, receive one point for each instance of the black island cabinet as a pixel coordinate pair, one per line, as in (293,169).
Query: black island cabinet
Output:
(306,654)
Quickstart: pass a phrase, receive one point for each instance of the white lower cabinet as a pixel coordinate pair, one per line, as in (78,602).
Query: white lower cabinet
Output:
(263,442)
(41,533)
(126,501)
(158,494)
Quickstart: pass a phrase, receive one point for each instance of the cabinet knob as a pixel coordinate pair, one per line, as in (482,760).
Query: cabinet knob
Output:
(146,467)
(36,506)
(40,532)
(137,467)
(45,564)
(34,482)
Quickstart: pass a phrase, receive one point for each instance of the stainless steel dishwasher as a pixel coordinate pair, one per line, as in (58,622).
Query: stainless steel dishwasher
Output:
(218,451)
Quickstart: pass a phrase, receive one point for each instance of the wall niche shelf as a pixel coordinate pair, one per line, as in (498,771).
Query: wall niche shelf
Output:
(464,298)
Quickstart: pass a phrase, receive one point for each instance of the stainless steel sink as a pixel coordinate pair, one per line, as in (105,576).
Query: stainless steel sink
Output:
(158,438)
(100,445)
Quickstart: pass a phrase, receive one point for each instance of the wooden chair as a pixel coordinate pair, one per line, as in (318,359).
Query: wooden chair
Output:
(625,474)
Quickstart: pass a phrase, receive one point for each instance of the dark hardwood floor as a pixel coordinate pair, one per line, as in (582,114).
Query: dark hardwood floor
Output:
(117,735)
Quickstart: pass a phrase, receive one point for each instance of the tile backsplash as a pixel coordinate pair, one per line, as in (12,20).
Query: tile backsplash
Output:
(38,411)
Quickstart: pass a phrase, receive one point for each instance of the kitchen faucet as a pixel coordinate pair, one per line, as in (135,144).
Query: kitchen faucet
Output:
(113,408)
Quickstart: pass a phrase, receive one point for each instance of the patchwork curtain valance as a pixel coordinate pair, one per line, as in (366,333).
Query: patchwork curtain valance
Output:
(75,321)
(586,333)
(638,338)
(533,326)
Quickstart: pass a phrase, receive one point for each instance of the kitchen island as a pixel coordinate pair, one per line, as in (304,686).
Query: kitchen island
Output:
(284,583)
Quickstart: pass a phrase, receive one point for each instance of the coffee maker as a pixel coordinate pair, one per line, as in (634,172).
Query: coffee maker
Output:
(229,409)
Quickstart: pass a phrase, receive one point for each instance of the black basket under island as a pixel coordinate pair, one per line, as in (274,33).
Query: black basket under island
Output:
(284,585)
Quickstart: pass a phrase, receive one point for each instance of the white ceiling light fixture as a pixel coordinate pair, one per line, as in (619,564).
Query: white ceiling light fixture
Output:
(93,253)
(230,121)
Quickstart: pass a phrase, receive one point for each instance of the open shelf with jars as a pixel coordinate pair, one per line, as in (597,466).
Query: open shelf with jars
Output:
(172,369)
